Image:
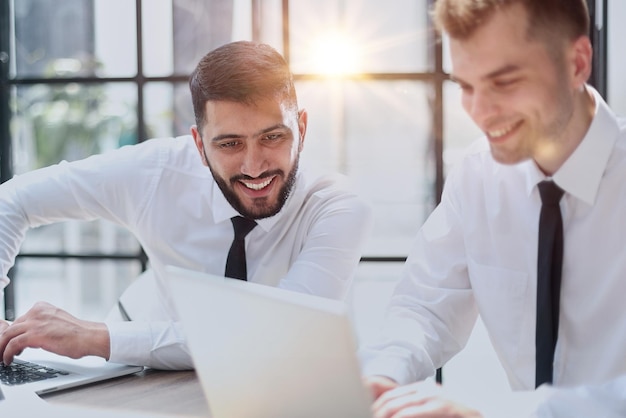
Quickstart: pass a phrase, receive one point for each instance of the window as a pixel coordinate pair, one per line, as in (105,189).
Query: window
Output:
(85,76)
(99,74)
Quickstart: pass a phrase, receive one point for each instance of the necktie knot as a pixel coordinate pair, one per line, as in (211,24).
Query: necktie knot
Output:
(242,226)
(550,193)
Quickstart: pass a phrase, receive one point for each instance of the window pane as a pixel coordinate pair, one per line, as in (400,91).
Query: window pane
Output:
(271,23)
(87,289)
(67,122)
(447,59)
(177,33)
(369,35)
(376,132)
(74,38)
(373,284)
(80,237)
(157,38)
(115,31)
(459,131)
(168,108)
(616,58)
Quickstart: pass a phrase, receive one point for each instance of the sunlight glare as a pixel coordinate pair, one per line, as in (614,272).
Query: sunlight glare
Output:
(334,54)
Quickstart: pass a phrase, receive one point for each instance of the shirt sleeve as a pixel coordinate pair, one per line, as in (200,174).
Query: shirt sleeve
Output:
(115,186)
(338,227)
(602,400)
(432,311)
(160,345)
(148,332)
(100,186)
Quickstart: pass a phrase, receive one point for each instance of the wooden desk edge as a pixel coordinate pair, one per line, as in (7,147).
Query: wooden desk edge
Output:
(153,391)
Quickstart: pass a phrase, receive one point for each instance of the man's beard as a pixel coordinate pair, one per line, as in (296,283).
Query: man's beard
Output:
(260,207)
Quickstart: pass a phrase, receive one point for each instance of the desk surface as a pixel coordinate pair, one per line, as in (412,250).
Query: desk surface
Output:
(150,391)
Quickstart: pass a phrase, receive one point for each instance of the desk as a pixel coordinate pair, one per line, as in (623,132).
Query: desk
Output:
(150,391)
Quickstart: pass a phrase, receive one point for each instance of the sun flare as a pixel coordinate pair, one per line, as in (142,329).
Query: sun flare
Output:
(334,53)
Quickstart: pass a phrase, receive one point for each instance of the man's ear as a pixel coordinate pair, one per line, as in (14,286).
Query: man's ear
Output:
(303,120)
(197,138)
(582,54)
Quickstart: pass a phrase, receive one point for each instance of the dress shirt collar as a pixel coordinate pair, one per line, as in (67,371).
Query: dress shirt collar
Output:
(582,172)
(223,211)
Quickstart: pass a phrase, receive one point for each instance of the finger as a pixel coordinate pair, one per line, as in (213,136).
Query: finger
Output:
(14,340)
(5,341)
(427,409)
(401,397)
(395,393)
(397,407)
(5,337)
(17,345)
(377,385)
(437,407)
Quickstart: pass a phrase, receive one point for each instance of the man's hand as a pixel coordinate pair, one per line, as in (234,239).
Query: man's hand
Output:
(52,329)
(378,385)
(421,399)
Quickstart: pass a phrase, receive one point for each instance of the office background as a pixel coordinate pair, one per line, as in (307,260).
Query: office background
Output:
(86,76)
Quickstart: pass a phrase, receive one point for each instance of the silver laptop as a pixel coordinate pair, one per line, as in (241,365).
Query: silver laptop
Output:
(264,352)
(51,372)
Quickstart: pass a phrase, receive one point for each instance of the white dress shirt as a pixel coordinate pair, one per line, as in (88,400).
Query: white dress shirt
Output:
(477,254)
(161,192)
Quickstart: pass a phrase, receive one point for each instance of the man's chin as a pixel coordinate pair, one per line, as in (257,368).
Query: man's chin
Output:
(506,157)
(259,209)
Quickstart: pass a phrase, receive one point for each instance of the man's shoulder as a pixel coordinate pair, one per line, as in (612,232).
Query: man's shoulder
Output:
(327,190)
(475,159)
(621,125)
(178,144)
(476,173)
(175,153)
(319,183)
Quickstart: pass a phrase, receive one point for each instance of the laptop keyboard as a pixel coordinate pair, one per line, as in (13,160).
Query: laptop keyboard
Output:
(20,372)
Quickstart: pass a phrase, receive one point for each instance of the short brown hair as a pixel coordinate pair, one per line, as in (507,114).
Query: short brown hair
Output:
(460,18)
(241,72)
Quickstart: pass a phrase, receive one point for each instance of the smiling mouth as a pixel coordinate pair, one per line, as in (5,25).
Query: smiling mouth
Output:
(498,133)
(258,186)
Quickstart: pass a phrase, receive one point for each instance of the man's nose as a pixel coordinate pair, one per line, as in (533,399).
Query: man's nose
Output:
(254,161)
(481,106)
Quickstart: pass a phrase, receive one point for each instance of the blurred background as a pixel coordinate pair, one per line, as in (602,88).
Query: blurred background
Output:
(86,76)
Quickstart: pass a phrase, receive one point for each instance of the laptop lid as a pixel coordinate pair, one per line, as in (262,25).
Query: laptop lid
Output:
(261,351)
(77,372)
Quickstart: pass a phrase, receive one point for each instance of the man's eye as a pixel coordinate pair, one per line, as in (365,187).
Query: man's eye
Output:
(505,83)
(273,137)
(229,144)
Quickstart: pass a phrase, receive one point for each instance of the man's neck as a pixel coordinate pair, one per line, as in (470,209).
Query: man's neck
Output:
(582,116)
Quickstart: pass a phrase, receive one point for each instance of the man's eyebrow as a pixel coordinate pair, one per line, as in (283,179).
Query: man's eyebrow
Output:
(497,73)
(511,68)
(272,128)
(225,136)
(261,132)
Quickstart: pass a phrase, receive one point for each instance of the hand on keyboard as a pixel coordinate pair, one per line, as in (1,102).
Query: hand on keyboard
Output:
(20,371)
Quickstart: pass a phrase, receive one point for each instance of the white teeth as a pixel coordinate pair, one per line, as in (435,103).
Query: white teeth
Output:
(500,132)
(259,186)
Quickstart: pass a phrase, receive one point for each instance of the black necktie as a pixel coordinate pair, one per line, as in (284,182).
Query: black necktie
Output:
(549,263)
(236,261)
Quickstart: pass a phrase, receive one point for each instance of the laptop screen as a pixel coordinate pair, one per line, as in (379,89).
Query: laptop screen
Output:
(261,351)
